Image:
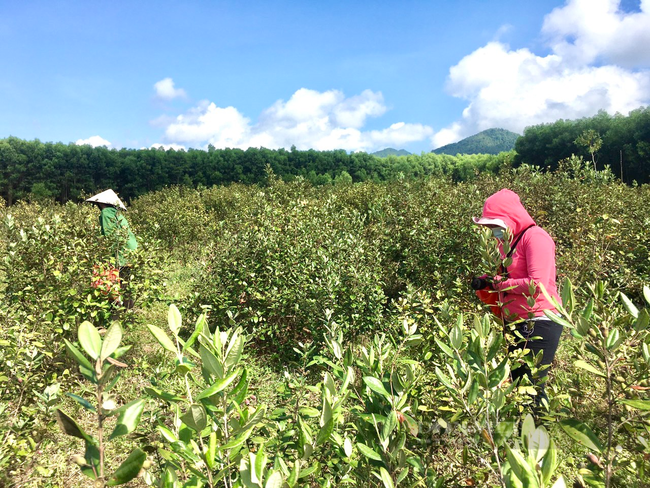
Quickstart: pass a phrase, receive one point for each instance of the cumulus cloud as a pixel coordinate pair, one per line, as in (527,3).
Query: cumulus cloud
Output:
(598,60)
(587,31)
(308,120)
(93,141)
(166,91)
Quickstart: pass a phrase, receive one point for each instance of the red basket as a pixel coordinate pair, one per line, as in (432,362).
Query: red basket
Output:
(106,278)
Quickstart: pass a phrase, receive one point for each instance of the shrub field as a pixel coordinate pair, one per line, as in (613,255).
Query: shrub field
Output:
(290,335)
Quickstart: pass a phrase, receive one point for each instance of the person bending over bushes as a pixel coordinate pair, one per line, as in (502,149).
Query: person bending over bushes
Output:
(517,287)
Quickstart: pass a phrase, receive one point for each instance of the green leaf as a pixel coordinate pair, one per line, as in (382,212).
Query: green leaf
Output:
(256,418)
(305,439)
(368,452)
(549,464)
(310,470)
(592,369)
(327,412)
(638,404)
(328,383)
(445,381)
(274,481)
(218,386)
(167,434)
(629,306)
(163,395)
(260,461)
(162,338)
(521,468)
(583,326)
(646,294)
(347,447)
(538,444)
(588,310)
(111,341)
(92,456)
(375,385)
(568,298)
(234,352)
(196,417)
(499,374)
(411,425)
(70,427)
(385,477)
(90,339)
(174,319)
(77,356)
(129,469)
(527,429)
(237,440)
(184,366)
(128,418)
(402,475)
(210,362)
(445,348)
(557,319)
(456,337)
(389,425)
(503,431)
(82,401)
(309,412)
(642,321)
(198,328)
(349,377)
(87,470)
(325,432)
(472,394)
(614,339)
(581,433)
(240,391)
(121,351)
(212,450)
(295,474)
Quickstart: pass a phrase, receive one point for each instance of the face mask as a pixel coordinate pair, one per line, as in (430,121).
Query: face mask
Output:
(498,232)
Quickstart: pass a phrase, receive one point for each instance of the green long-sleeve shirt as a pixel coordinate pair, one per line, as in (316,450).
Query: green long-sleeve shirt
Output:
(115,225)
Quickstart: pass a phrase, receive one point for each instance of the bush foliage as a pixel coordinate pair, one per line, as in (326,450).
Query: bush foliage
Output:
(328,337)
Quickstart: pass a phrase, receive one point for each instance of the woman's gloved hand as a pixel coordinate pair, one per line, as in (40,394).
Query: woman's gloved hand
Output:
(480,282)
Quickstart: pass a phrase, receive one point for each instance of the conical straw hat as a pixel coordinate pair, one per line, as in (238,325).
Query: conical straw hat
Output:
(109,197)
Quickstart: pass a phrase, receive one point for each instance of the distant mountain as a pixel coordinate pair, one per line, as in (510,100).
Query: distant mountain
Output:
(389,151)
(491,141)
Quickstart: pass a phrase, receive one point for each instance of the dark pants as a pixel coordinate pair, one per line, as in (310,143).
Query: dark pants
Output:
(547,337)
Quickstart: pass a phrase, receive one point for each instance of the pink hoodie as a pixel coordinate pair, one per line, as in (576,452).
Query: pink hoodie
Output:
(533,260)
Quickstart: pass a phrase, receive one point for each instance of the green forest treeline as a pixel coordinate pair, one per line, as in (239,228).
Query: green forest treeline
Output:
(624,138)
(33,169)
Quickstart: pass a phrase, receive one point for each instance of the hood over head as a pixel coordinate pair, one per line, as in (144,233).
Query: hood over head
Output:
(505,206)
(108,197)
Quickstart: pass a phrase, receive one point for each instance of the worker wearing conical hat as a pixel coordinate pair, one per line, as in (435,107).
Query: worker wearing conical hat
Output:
(113,223)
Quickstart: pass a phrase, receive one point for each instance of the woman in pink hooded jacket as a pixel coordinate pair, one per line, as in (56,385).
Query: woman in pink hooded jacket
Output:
(533,263)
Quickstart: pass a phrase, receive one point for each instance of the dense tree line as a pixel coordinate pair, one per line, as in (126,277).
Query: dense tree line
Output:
(625,143)
(38,170)
(33,169)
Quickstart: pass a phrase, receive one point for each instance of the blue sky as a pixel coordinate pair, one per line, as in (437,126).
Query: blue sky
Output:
(356,75)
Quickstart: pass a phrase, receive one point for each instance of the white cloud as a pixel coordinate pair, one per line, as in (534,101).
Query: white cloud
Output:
(586,31)
(165,90)
(93,141)
(207,123)
(513,89)
(309,119)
